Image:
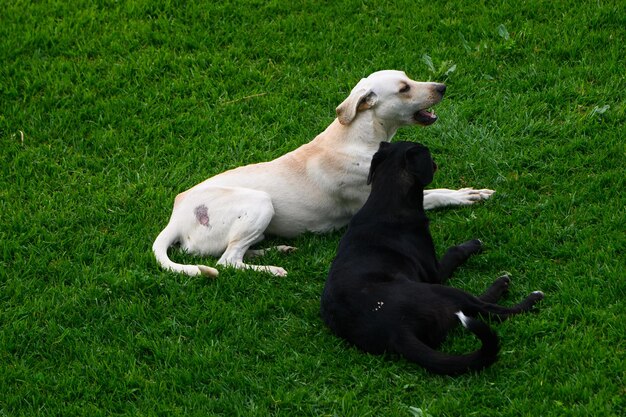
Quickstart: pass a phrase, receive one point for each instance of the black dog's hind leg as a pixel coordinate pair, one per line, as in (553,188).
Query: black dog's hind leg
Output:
(496,290)
(456,256)
(502,313)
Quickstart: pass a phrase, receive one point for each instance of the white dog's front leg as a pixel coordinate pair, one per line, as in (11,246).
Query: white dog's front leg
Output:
(441,197)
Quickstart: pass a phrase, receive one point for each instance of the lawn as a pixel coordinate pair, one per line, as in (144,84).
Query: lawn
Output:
(108,109)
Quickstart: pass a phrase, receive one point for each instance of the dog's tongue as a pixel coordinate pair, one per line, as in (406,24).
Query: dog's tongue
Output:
(425,117)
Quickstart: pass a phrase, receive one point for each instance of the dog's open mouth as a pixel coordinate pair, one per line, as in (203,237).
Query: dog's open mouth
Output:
(425,117)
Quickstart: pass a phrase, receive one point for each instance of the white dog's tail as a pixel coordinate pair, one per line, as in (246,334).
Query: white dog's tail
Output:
(162,243)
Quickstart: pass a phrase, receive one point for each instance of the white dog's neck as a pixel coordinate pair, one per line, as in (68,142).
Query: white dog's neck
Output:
(366,128)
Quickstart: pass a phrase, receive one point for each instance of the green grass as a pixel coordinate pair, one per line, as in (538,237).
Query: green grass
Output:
(124,104)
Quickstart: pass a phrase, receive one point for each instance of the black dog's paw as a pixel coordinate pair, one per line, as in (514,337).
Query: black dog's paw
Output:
(503,282)
(499,288)
(473,246)
(532,299)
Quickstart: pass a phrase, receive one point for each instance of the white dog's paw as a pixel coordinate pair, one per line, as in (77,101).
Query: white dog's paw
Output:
(466,196)
(485,193)
(442,197)
(285,249)
(276,270)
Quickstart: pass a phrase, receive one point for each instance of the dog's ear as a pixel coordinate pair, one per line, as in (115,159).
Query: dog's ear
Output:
(420,164)
(360,98)
(377,159)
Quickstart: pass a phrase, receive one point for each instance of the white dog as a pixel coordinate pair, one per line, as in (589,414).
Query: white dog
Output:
(317,187)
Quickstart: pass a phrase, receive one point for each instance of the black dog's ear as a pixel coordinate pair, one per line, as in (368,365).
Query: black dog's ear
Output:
(420,164)
(377,159)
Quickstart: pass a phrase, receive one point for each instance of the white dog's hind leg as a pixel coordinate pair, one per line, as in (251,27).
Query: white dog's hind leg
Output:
(217,221)
(441,197)
(247,229)
(234,257)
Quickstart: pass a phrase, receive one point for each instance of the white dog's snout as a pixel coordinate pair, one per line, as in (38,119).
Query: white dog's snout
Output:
(440,88)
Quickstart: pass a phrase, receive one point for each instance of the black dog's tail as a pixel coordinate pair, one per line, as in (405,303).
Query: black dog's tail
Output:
(441,363)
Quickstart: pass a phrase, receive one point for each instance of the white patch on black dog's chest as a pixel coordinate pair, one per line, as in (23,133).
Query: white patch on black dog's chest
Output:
(379,305)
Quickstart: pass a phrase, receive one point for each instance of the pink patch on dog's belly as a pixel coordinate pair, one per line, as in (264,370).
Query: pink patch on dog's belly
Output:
(202,214)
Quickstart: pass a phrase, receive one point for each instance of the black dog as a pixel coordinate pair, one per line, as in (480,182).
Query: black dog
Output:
(384,292)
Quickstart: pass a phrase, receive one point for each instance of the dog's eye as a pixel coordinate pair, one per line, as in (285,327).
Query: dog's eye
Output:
(405,88)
